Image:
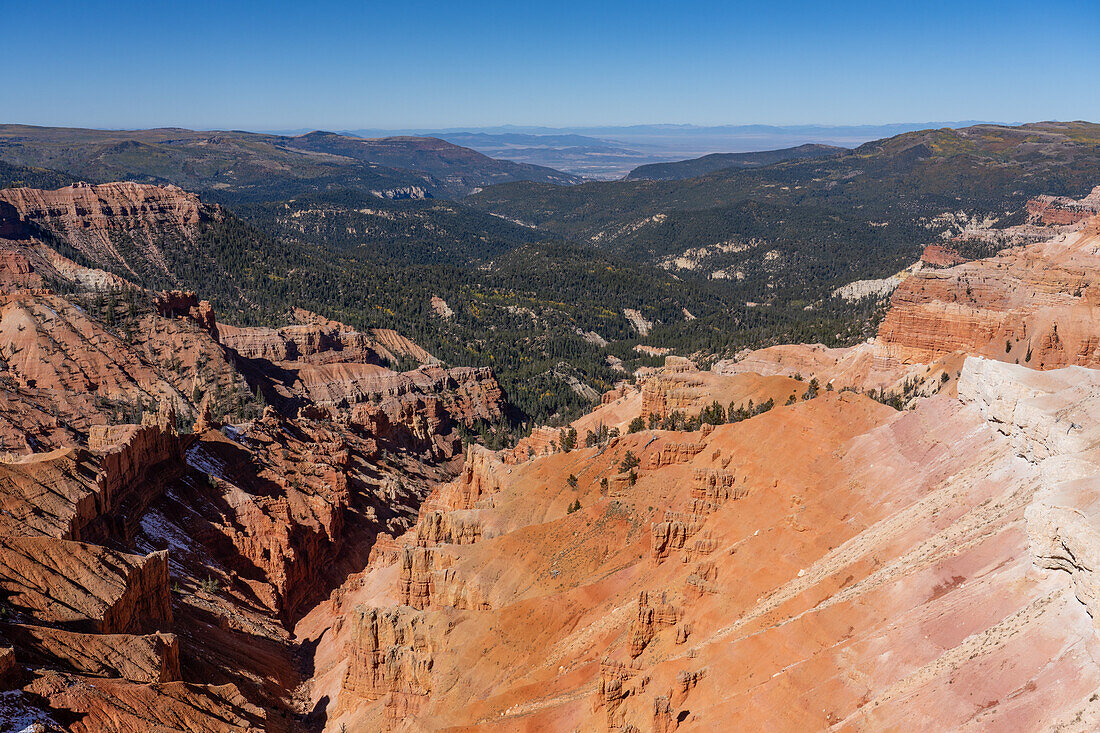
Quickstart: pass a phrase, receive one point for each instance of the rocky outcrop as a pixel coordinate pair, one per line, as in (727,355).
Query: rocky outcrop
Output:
(440,308)
(288,498)
(483,473)
(452,528)
(316,340)
(10,671)
(146,659)
(416,581)
(673,453)
(180,304)
(1034,306)
(1049,416)
(617,683)
(53,494)
(541,442)
(390,659)
(12,225)
(654,614)
(427,578)
(674,532)
(418,410)
(91,495)
(117,706)
(17,273)
(136,462)
(1061,210)
(85,588)
(663,394)
(713,487)
(833,562)
(937,255)
(99,220)
(87,206)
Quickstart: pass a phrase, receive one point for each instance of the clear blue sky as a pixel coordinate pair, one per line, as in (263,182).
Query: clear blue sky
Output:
(342,65)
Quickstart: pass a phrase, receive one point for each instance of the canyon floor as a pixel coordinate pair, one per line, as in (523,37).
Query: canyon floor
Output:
(211,528)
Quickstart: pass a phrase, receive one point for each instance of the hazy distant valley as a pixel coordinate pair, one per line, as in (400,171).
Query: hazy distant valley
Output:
(610,153)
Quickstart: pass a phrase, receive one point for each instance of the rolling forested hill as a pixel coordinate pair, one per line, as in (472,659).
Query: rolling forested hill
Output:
(235,166)
(680,170)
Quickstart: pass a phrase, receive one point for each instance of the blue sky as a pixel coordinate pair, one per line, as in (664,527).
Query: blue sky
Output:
(346,65)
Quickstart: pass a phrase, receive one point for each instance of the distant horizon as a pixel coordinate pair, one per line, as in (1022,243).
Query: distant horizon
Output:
(537,128)
(609,152)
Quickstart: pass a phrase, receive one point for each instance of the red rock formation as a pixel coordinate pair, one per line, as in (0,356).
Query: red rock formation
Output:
(113,706)
(261,520)
(390,660)
(671,453)
(16,272)
(799,575)
(453,528)
(12,225)
(937,255)
(1063,211)
(96,219)
(317,340)
(85,587)
(617,682)
(288,501)
(482,474)
(147,659)
(1033,306)
(653,615)
(674,532)
(833,563)
(179,304)
(10,672)
(92,496)
(541,442)
(688,391)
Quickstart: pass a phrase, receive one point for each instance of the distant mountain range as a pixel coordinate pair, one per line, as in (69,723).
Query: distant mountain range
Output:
(611,152)
(246,166)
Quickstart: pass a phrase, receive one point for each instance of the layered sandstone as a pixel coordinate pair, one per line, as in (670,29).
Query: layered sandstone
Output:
(1034,306)
(1062,210)
(98,220)
(938,255)
(830,564)
(144,659)
(687,390)
(318,340)
(85,587)
(118,706)
(180,304)
(149,574)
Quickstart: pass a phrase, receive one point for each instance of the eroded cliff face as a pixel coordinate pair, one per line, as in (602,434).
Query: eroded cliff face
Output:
(162,529)
(316,340)
(832,564)
(1063,211)
(112,223)
(1034,305)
